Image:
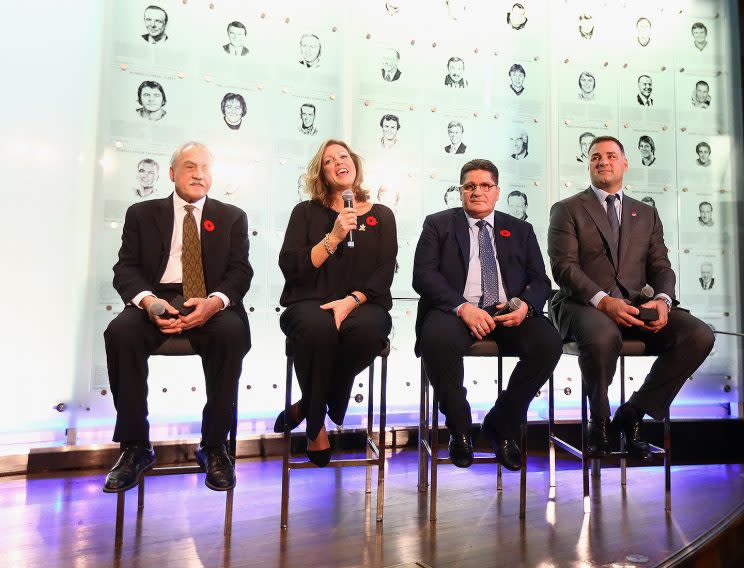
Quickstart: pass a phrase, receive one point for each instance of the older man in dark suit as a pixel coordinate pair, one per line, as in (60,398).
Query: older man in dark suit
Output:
(184,246)
(469,261)
(604,247)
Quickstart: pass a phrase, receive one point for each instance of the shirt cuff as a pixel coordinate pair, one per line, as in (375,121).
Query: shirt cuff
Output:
(597,298)
(139,297)
(457,309)
(221,296)
(665,297)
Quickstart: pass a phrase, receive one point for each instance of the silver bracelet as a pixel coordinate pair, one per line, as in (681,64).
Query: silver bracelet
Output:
(327,245)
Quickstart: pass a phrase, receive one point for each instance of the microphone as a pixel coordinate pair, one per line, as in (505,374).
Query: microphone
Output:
(348,196)
(646,314)
(157,309)
(511,306)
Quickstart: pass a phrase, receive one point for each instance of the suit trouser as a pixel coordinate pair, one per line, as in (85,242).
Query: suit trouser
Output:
(682,345)
(328,359)
(443,343)
(131,338)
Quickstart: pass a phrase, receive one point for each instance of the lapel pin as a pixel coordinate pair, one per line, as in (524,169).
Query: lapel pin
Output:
(208,225)
(633,213)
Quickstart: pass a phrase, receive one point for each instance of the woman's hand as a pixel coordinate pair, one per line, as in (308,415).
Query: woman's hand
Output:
(345,222)
(341,308)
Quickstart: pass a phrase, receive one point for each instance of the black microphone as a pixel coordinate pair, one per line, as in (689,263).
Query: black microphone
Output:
(646,314)
(348,196)
(511,306)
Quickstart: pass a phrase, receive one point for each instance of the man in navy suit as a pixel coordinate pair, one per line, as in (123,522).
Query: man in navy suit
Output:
(186,237)
(469,261)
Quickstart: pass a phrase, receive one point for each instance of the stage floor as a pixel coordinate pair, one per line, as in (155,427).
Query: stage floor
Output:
(67,521)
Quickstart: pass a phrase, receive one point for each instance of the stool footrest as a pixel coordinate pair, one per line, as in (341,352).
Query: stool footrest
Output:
(573,450)
(175,469)
(335,463)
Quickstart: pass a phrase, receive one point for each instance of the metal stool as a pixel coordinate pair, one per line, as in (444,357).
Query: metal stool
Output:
(178,346)
(630,348)
(429,437)
(377,451)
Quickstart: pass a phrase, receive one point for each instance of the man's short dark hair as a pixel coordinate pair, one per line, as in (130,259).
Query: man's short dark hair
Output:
(586,135)
(165,23)
(309,105)
(642,18)
(150,85)
(454,60)
(599,139)
(699,83)
(236,24)
(390,117)
(450,189)
(701,145)
(648,140)
(480,164)
(517,67)
(234,96)
(699,26)
(517,193)
(642,76)
(454,123)
(149,161)
(708,203)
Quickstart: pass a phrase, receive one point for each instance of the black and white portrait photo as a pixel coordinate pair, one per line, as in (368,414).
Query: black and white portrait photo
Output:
(148,172)
(520,146)
(587,84)
(645,88)
(388,197)
(390,63)
(706,276)
(151,97)
(586,26)
(455,77)
(307,120)
(390,124)
(233,110)
(452,197)
(455,130)
(643,31)
(517,17)
(702,149)
(699,35)
(648,200)
(517,203)
(156,21)
(517,75)
(310,51)
(705,214)
(647,148)
(701,95)
(585,141)
(236,35)
(391,7)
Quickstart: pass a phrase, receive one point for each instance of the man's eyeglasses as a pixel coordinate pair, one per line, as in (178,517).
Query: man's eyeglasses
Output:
(484,187)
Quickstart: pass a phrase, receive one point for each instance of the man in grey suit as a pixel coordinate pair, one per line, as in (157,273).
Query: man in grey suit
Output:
(604,247)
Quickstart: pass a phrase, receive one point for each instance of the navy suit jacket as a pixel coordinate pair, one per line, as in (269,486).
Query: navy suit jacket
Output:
(440,266)
(146,242)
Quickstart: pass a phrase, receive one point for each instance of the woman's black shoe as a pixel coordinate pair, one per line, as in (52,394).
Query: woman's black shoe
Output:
(319,457)
(279,424)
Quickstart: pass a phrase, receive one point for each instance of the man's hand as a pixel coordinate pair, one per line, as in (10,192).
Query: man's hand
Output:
(479,322)
(341,308)
(663,308)
(166,325)
(204,308)
(619,311)
(512,318)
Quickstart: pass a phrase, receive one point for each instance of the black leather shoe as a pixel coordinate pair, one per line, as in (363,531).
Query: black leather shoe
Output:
(598,438)
(628,422)
(219,467)
(279,423)
(136,458)
(508,453)
(321,458)
(461,450)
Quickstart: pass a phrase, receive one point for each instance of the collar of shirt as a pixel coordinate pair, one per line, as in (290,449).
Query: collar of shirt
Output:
(178,203)
(602,195)
(472,220)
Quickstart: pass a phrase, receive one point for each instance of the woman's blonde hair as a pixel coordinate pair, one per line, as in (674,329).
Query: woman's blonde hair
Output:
(316,186)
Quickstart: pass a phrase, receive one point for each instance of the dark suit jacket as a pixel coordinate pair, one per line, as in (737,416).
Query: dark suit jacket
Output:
(146,241)
(710,284)
(396,75)
(243,51)
(581,257)
(642,102)
(440,266)
(460,149)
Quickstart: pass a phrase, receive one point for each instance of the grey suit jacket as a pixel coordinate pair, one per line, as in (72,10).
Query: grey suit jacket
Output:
(581,258)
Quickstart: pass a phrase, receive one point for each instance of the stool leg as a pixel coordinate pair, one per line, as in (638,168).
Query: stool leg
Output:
(228,512)
(434,443)
(584,457)
(370,424)
(523,475)
(120,497)
(499,482)
(596,468)
(287,444)
(551,421)
(667,464)
(623,460)
(423,471)
(383,421)
(141,494)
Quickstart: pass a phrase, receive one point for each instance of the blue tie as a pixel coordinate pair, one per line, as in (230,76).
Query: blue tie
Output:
(489,274)
(612,218)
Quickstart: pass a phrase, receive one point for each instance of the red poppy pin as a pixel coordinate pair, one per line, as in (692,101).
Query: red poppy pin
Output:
(208,225)
(633,213)
(371,221)
(505,233)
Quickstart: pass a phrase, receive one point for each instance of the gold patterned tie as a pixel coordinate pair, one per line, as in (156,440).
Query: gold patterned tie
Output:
(191,261)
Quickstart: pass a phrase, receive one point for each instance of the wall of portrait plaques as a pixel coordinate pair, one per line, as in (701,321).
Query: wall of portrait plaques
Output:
(418,88)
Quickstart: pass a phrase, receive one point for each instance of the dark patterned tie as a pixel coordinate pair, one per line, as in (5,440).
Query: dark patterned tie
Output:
(612,218)
(191,261)
(489,275)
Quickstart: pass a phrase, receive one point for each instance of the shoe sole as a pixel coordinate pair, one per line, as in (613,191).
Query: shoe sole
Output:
(210,485)
(132,485)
